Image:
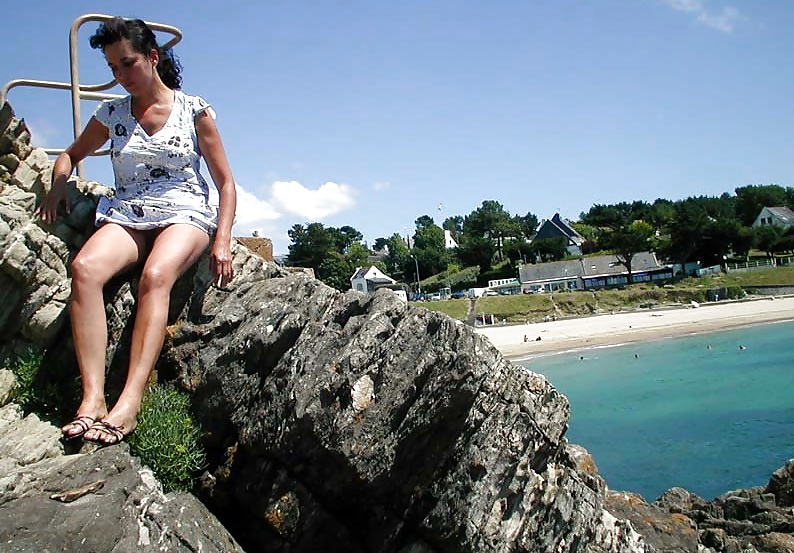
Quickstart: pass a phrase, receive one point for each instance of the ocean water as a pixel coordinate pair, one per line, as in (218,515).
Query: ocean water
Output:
(696,412)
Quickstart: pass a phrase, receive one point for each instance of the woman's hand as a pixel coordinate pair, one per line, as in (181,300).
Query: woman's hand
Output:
(48,210)
(221,263)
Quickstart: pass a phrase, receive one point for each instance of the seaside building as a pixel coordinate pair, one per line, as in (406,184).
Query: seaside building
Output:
(587,273)
(557,227)
(369,279)
(775,216)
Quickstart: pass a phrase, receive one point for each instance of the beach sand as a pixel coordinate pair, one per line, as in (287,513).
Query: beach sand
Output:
(634,326)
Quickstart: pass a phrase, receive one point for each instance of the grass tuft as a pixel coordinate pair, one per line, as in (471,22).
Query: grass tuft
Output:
(168,439)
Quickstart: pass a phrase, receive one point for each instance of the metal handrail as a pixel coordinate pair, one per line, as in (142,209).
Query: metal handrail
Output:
(87,92)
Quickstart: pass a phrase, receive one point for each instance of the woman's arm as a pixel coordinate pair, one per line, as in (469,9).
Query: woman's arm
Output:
(93,136)
(211,147)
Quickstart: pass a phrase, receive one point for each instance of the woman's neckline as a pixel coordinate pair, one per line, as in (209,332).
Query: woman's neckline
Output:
(165,123)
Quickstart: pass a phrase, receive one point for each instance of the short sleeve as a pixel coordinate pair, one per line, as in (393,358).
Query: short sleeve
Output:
(102,113)
(199,105)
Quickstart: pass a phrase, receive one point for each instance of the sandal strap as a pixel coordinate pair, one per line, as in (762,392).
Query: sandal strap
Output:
(82,423)
(115,433)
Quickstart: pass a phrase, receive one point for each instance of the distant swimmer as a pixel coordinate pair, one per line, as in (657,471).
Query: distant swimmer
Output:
(742,347)
(636,356)
(581,358)
(708,346)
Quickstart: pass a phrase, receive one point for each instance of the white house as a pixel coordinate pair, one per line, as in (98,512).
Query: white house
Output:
(449,242)
(778,216)
(369,279)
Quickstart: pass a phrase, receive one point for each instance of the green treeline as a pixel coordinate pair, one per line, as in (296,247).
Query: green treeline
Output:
(707,229)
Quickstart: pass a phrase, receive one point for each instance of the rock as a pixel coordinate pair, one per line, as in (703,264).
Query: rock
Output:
(7,383)
(670,532)
(119,506)
(781,485)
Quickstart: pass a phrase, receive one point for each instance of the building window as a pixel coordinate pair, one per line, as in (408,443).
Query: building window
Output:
(359,287)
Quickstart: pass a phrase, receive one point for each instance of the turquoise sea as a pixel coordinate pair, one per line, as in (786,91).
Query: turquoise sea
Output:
(697,412)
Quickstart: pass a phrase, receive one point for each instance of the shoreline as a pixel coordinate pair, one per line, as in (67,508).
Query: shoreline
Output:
(633,326)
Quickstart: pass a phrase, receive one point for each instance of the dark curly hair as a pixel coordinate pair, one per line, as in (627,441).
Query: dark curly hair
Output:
(142,40)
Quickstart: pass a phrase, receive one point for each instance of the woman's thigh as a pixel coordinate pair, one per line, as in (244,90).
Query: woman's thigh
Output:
(111,250)
(174,250)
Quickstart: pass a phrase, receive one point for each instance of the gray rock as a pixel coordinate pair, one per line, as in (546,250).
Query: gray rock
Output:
(7,383)
(781,485)
(107,501)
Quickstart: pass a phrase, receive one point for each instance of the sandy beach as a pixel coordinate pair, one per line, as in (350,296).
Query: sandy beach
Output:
(635,326)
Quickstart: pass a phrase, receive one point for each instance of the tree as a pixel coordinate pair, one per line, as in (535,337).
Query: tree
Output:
(768,238)
(548,249)
(615,215)
(333,253)
(525,225)
(398,258)
(476,250)
(629,240)
(518,250)
(430,247)
(336,271)
(310,245)
(492,223)
(454,225)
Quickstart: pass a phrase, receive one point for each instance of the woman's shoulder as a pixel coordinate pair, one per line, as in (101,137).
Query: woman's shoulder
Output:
(112,108)
(195,104)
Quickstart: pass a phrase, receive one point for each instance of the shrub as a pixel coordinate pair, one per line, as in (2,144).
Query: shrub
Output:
(167,438)
(25,369)
(39,391)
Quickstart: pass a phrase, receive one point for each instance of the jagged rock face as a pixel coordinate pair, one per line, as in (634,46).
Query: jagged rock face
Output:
(335,422)
(102,502)
(406,422)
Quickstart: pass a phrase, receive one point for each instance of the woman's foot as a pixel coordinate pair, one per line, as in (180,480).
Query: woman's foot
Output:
(79,426)
(105,433)
(88,413)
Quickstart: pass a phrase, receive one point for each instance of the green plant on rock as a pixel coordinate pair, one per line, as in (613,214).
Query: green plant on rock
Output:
(167,438)
(43,392)
(25,369)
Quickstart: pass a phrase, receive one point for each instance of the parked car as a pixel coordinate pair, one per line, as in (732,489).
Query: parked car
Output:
(459,294)
(490,293)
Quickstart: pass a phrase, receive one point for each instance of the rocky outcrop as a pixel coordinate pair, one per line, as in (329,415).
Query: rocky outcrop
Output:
(335,422)
(757,519)
(103,501)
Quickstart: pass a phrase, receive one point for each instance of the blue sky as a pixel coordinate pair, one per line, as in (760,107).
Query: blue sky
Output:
(372,113)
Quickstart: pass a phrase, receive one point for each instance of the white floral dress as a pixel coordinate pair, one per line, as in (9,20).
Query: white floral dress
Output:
(158,179)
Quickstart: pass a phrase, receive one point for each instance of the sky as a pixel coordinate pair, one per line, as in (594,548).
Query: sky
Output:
(372,113)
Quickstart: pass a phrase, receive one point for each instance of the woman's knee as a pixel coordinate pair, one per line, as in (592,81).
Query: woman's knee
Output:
(155,277)
(86,270)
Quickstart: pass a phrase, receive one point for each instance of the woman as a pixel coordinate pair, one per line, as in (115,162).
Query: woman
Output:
(159,216)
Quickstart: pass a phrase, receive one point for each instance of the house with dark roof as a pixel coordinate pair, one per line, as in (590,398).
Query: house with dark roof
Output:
(557,227)
(587,273)
(369,279)
(777,216)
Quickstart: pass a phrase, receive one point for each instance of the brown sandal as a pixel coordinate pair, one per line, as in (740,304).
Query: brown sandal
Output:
(83,423)
(109,434)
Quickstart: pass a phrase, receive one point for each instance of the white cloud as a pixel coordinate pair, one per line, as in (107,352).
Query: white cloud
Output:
(251,209)
(725,21)
(295,199)
(722,20)
(286,204)
(381,185)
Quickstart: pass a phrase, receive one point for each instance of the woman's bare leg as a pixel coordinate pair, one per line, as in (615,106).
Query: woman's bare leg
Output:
(175,249)
(110,250)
